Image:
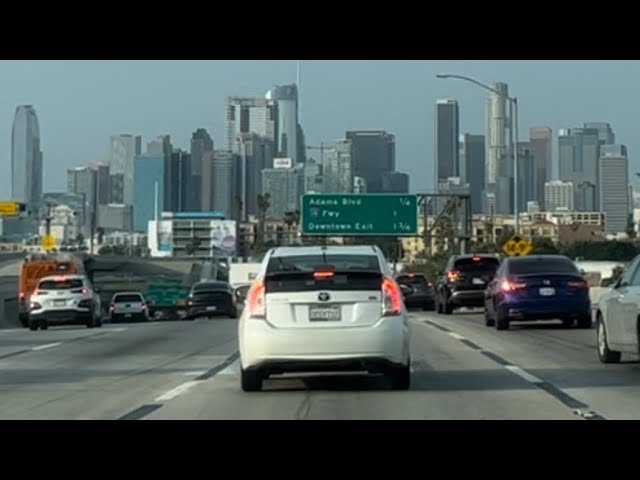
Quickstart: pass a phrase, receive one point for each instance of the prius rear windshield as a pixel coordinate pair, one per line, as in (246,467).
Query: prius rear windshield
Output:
(309,263)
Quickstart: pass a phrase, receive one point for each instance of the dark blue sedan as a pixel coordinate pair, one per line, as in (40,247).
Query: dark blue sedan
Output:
(537,287)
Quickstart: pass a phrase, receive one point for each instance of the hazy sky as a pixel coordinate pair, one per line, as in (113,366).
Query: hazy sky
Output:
(81,103)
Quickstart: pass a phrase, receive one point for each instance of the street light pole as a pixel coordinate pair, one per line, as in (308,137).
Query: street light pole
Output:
(516,169)
(514,135)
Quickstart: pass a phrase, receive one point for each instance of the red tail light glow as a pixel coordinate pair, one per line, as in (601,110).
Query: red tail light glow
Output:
(322,274)
(391,298)
(21,295)
(507,286)
(112,307)
(578,284)
(257,300)
(477,258)
(85,291)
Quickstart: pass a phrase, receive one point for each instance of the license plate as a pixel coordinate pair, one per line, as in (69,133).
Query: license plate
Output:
(127,315)
(325,314)
(59,303)
(478,281)
(547,292)
(212,309)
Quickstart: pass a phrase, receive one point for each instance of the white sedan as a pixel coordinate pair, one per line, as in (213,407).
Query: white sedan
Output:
(618,317)
(324,309)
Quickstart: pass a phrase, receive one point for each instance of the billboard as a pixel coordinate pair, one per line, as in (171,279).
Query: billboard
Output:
(165,236)
(223,237)
(282,163)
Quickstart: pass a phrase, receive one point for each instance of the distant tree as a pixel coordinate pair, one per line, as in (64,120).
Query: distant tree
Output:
(193,246)
(544,245)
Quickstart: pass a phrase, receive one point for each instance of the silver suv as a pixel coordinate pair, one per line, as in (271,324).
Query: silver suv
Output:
(128,306)
(64,300)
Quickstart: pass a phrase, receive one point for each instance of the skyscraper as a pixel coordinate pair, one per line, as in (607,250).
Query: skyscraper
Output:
(288,130)
(605,132)
(284,186)
(250,115)
(223,191)
(103,183)
(374,153)
(201,143)
(206,190)
(472,157)
(527,180)
(614,190)
(540,142)
(149,173)
(182,195)
(26,157)
(124,148)
(497,125)
(338,168)
(447,132)
(559,195)
(254,154)
(82,181)
(578,160)
(395,182)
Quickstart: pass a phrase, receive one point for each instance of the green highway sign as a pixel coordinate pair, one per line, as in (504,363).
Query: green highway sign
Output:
(370,214)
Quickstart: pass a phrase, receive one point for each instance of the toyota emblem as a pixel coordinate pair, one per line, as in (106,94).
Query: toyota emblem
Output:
(324,297)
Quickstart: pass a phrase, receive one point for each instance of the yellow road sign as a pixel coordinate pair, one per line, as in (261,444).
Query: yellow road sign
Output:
(9,208)
(48,242)
(517,247)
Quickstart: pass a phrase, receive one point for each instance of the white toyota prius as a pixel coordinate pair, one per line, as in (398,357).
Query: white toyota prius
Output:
(324,309)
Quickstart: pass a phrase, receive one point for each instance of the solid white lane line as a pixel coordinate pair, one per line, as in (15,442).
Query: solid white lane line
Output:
(457,336)
(44,347)
(523,374)
(179,390)
(196,373)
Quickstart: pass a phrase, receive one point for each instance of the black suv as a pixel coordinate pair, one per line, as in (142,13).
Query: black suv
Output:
(464,281)
(421,295)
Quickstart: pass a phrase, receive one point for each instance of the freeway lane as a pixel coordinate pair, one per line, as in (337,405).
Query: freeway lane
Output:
(189,370)
(450,381)
(77,373)
(564,357)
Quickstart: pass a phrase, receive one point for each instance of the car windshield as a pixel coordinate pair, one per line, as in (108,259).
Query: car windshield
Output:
(309,263)
(60,284)
(127,298)
(524,266)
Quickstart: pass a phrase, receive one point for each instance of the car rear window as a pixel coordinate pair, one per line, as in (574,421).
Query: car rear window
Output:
(524,266)
(127,298)
(309,263)
(296,273)
(210,287)
(412,279)
(60,284)
(476,264)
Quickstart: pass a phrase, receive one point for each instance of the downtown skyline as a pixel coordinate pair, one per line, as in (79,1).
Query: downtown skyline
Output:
(78,132)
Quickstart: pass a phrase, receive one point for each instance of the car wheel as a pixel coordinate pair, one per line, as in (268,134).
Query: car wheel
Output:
(33,326)
(605,355)
(24,320)
(251,380)
(400,377)
(585,321)
(502,322)
(233,314)
(489,321)
(44,325)
(447,309)
(99,323)
(91,322)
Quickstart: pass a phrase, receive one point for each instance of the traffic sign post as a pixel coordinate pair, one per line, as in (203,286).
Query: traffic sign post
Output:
(352,215)
(517,247)
(48,242)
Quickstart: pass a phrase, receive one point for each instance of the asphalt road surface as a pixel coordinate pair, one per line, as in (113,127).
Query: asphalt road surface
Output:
(189,370)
